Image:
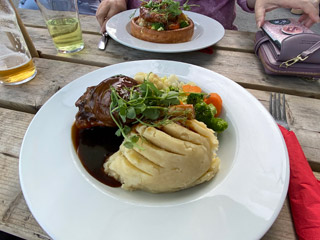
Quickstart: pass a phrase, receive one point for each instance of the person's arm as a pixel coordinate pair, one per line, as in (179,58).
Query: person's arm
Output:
(309,7)
(107,9)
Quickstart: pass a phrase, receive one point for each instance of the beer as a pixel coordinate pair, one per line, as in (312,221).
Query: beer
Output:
(66,34)
(16,68)
(16,64)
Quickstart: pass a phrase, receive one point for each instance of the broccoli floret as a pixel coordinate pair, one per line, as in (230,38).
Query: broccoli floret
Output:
(157,26)
(213,109)
(201,107)
(174,89)
(205,113)
(218,124)
(194,98)
(184,24)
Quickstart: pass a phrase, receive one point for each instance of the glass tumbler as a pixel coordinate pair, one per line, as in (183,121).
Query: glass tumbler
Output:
(62,19)
(16,65)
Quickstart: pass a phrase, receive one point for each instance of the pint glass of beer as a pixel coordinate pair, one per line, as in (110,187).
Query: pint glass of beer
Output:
(16,65)
(62,19)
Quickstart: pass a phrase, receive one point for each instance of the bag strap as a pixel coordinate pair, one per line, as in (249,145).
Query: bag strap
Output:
(302,56)
(311,50)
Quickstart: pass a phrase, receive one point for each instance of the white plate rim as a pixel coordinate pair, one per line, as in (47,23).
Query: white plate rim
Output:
(256,232)
(207,32)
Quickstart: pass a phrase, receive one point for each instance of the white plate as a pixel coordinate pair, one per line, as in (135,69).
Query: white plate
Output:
(243,199)
(207,32)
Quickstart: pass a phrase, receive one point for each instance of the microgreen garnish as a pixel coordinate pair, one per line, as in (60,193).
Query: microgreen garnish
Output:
(146,105)
(169,7)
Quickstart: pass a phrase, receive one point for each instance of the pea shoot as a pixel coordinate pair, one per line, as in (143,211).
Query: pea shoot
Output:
(146,105)
(169,7)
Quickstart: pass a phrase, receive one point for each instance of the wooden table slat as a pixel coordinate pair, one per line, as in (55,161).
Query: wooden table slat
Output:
(52,76)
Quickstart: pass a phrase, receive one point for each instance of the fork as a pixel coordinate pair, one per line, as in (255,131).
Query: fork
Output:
(278,109)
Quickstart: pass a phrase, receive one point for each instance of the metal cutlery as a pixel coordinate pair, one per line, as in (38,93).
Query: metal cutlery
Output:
(103,41)
(278,109)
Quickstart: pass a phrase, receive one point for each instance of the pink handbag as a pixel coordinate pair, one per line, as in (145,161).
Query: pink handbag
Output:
(299,55)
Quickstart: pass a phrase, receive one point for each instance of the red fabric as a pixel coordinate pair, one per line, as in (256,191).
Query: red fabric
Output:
(304,191)
(208,50)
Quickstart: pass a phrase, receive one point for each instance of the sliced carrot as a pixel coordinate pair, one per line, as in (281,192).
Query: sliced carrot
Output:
(215,99)
(191,89)
(174,26)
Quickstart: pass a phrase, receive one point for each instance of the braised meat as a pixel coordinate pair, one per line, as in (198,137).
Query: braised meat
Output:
(150,16)
(161,15)
(94,104)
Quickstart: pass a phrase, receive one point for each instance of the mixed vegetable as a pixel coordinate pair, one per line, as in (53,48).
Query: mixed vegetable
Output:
(163,14)
(207,108)
(148,105)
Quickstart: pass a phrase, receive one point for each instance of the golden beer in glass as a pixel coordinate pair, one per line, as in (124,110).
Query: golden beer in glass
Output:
(16,65)
(16,68)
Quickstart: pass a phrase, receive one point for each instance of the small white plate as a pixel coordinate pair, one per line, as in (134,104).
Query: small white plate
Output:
(207,32)
(243,199)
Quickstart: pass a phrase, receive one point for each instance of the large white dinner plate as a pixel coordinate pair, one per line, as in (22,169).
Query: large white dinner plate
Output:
(241,202)
(207,32)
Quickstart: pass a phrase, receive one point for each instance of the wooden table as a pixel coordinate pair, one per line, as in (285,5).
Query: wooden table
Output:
(233,57)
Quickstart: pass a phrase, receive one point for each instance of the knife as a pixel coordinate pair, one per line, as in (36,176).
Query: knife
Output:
(103,41)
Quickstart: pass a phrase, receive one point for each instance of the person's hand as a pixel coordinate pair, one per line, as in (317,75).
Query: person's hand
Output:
(310,9)
(107,9)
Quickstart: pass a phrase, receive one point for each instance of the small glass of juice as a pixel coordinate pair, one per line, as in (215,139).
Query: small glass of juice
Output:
(62,19)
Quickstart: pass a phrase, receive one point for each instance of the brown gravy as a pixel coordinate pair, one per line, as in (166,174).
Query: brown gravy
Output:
(93,146)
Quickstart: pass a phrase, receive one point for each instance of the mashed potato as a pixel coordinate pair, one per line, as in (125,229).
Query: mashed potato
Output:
(171,158)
